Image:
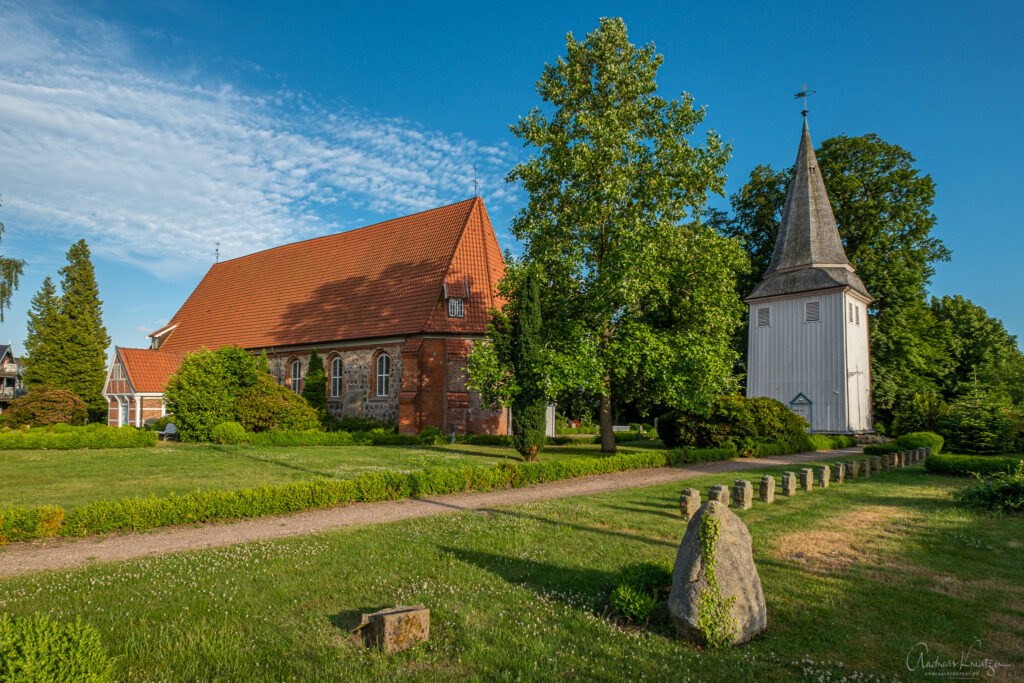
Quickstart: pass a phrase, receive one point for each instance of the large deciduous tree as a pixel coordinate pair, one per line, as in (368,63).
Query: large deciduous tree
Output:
(615,191)
(10,277)
(883,208)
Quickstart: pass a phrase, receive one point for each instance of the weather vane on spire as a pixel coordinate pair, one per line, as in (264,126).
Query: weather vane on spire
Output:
(805,93)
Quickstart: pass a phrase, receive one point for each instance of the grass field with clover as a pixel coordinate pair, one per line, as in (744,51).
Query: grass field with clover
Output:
(857,578)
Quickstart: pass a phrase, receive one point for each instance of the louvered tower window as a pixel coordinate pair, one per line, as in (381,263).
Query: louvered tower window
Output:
(764,317)
(812,311)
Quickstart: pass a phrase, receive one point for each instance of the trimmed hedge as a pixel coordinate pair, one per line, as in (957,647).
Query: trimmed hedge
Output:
(914,440)
(36,648)
(881,448)
(20,524)
(68,437)
(968,465)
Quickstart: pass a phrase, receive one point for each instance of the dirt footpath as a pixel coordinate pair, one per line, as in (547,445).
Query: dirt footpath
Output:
(62,553)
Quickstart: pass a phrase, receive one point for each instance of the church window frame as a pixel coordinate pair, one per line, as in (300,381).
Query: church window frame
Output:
(296,377)
(337,376)
(383,367)
(764,316)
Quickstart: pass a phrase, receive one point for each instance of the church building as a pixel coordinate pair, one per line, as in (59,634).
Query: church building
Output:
(808,340)
(392,309)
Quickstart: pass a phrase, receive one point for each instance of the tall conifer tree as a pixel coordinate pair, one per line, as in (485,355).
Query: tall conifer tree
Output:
(85,344)
(527,366)
(314,390)
(46,329)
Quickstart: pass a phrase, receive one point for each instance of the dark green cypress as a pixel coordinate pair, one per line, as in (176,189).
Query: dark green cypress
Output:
(84,340)
(314,388)
(527,365)
(43,362)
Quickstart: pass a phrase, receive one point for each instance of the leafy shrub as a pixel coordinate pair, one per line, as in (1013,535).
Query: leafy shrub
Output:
(917,413)
(843,441)
(734,419)
(431,435)
(983,427)
(696,455)
(307,437)
(201,393)
(638,589)
(92,436)
(46,405)
(22,524)
(484,439)
(351,423)
(914,440)
(969,465)
(999,492)
(37,648)
(881,448)
(266,405)
(158,424)
(228,433)
(314,386)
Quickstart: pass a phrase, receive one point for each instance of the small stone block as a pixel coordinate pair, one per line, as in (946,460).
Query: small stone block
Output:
(876,464)
(897,459)
(719,492)
(851,469)
(823,476)
(767,489)
(806,479)
(865,468)
(887,461)
(689,501)
(742,494)
(788,483)
(396,628)
(839,473)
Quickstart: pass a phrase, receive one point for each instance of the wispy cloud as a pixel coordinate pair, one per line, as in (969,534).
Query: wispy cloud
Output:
(153,169)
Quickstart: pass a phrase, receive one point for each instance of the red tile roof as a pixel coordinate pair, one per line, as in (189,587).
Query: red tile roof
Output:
(382,280)
(148,369)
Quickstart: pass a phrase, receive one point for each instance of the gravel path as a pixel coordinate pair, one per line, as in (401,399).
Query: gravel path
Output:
(63,553)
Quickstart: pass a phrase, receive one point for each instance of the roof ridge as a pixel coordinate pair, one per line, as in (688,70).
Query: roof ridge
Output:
(343,232)
(448,262)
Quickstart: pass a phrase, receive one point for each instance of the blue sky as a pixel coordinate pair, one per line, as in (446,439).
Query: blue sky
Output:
(156,129)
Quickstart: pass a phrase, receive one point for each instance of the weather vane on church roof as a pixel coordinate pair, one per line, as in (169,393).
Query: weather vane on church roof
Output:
(805,93)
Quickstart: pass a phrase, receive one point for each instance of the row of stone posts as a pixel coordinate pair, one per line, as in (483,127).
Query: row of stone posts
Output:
(741,495)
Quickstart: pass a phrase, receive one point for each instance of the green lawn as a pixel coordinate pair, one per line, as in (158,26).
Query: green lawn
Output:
(855,577)
(73,478)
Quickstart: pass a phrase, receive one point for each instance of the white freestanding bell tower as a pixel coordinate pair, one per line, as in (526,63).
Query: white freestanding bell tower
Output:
(808,344)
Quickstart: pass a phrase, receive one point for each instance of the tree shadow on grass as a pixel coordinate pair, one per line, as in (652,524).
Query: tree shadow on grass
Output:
(580,527)
(239,452)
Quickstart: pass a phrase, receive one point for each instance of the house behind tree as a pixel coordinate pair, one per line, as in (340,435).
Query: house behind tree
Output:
(392,309)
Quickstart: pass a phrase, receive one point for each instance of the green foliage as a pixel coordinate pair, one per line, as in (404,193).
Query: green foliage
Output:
(22,524)
(314,387)
(200,394)
(432,435)
(37,648)
(969,465)
(228,433)
(45,405)
(352,423)
(10,277)
(984,424)
(46,330)
(637,294)
(211,387)
(881,448)
(715,622)
(266,405)
(917,412)
(158,424)
(688,455)
(526,361)
(638,589)
(95,435)
(907,442)
(84,342)
(1001,492)
(263,364)
(749,423)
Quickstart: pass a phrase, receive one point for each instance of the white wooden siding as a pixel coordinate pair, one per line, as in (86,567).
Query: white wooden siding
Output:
(858,366)
(792,356)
